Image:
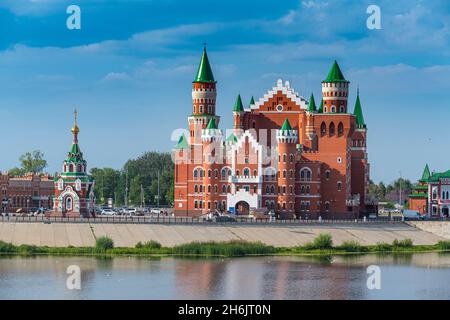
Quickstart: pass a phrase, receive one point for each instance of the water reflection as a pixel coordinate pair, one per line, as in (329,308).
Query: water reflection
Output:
(404,276)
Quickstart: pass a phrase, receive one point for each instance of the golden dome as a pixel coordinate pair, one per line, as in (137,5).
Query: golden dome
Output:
(75,128)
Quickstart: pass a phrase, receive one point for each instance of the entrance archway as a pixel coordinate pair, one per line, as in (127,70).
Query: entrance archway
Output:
(242,208)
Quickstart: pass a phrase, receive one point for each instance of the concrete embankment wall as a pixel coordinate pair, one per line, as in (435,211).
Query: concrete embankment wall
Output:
(439,228)
(127,235)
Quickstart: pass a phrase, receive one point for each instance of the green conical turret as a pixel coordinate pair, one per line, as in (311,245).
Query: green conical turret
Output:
(320,107)
(238,107)
(182,143)
(335,74)
(426,174)
(252,101)
(212,124)
(286,125)
(358,113)
(312,104)
(204,72)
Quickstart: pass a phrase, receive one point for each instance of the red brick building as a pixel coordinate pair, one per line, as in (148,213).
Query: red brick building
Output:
(284,153)
(25,193)
(431,195)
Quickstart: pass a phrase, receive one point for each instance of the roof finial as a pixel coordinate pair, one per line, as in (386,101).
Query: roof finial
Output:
(357,90)
(75,128)
(204,45)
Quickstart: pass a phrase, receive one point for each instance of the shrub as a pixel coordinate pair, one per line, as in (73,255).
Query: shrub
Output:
(323,241)
(406,243)
(229,249)
(152,244)
(104,243)
(383,247)
(27,249)
(7,247)
(443,245)
(352,246)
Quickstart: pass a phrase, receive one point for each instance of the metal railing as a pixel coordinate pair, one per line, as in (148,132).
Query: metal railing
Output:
(193,220)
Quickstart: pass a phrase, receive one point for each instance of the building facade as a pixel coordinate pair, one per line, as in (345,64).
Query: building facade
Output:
(431,195)
(283,153)
(74,188)
(25,193)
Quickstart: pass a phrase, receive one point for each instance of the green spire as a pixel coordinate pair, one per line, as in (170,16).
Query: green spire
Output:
(252,101)
(358,113)
(238,107)
(204,72)
(212,124)
(286,125)
(182,143)
(320,107)
(426,173)
(232,138)
(312,104)
(335,74)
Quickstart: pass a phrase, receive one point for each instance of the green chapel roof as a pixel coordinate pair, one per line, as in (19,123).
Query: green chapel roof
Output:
(212,124)
(426,173)
(238,107)
(182,143)
(335,74)
(204,72)
(358,113)
(252,101)
(286,125)
(312,104)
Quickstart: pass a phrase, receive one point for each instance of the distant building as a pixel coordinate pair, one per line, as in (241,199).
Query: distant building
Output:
(432,194)
(25,193)
(284,153)
(74,188)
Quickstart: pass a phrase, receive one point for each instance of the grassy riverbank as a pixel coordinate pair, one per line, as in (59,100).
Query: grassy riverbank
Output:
(322,245)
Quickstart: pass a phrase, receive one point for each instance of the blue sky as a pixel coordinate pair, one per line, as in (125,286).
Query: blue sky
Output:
(129,72)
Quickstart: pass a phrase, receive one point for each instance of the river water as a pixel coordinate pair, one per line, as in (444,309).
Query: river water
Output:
(405,276)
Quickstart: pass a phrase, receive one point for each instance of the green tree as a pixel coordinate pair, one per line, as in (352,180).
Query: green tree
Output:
(33,161)
(106,183)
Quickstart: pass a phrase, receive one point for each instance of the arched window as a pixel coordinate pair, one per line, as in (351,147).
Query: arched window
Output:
(284,158)
(229,189)
(229,172)
(71,168)
(209,173)
(327,174)
(195,204)
(255,173)
(209,188)
(272,190)
(327,206)
(201,188)
(323,129)
(202,173)
(246,172)
(237,172)
(195,188)
(284,173)
(284,189)
(267,189)
(224,189)
(332,129)
(305,174)
(224,173)
(291,190)
(339,186)
(291,157)
(340,129)
(308,189)
(333,109)
(302,189)
(216,173)
(215,188)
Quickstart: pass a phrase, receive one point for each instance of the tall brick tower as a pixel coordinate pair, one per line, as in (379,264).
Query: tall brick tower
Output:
(238,117)
(335,91)
(360,163)
(287,139)
(212,160)
(203,102)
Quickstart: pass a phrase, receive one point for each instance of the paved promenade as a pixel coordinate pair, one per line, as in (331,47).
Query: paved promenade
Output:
(127,235)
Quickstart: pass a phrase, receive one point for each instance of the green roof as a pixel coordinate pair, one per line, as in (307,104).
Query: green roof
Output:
(426,173)
(204,72)
(320,107)
(358,113)
(286,125)
(312,104)
(440,175)
(238,107)
(335,74)
(182,143)
(423,187)
(212,124)
(75,155)
(252,101)
(418,195)
(232,138)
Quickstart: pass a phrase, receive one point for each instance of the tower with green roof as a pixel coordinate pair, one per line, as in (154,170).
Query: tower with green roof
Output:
(358,113)
(74,188)
(335,91)
(203,99)
(238,116)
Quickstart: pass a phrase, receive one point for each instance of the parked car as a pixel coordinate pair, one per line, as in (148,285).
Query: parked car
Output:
(130,211)
(372,216)
(108,212)
(224,219)
(413,215)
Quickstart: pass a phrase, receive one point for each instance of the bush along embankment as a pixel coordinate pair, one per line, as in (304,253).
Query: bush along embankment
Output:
(321,245)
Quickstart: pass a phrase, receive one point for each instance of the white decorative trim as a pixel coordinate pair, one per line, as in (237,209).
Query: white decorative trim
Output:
(286,90)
